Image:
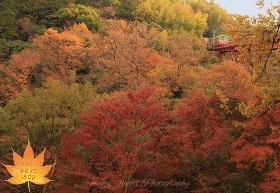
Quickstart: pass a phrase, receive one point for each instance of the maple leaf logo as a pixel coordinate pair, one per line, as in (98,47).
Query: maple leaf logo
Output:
(28,169)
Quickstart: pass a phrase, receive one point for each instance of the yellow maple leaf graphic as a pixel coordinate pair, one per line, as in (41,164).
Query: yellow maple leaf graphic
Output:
(28,169)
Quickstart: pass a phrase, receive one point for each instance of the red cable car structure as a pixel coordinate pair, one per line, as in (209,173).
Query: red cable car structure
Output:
(221,43)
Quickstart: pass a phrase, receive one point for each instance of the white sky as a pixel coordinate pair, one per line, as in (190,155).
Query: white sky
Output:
(243,7)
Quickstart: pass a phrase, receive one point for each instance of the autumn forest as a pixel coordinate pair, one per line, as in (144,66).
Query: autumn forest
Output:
(126,98)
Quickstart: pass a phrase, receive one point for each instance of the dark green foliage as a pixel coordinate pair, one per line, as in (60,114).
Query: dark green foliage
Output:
(96,3)
(127,8)
(8,24)
(7,48)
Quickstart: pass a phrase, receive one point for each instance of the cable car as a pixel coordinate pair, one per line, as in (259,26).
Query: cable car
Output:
(217,42)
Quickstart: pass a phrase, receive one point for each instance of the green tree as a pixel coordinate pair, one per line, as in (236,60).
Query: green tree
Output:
(216,15)
(45,114)
(172,15)
(126,9)
(76,13)
(8,24)
(45,13)
(7,48)
(97,3)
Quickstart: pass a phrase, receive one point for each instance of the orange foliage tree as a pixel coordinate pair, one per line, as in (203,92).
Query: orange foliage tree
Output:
(124,54)
(63,56)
